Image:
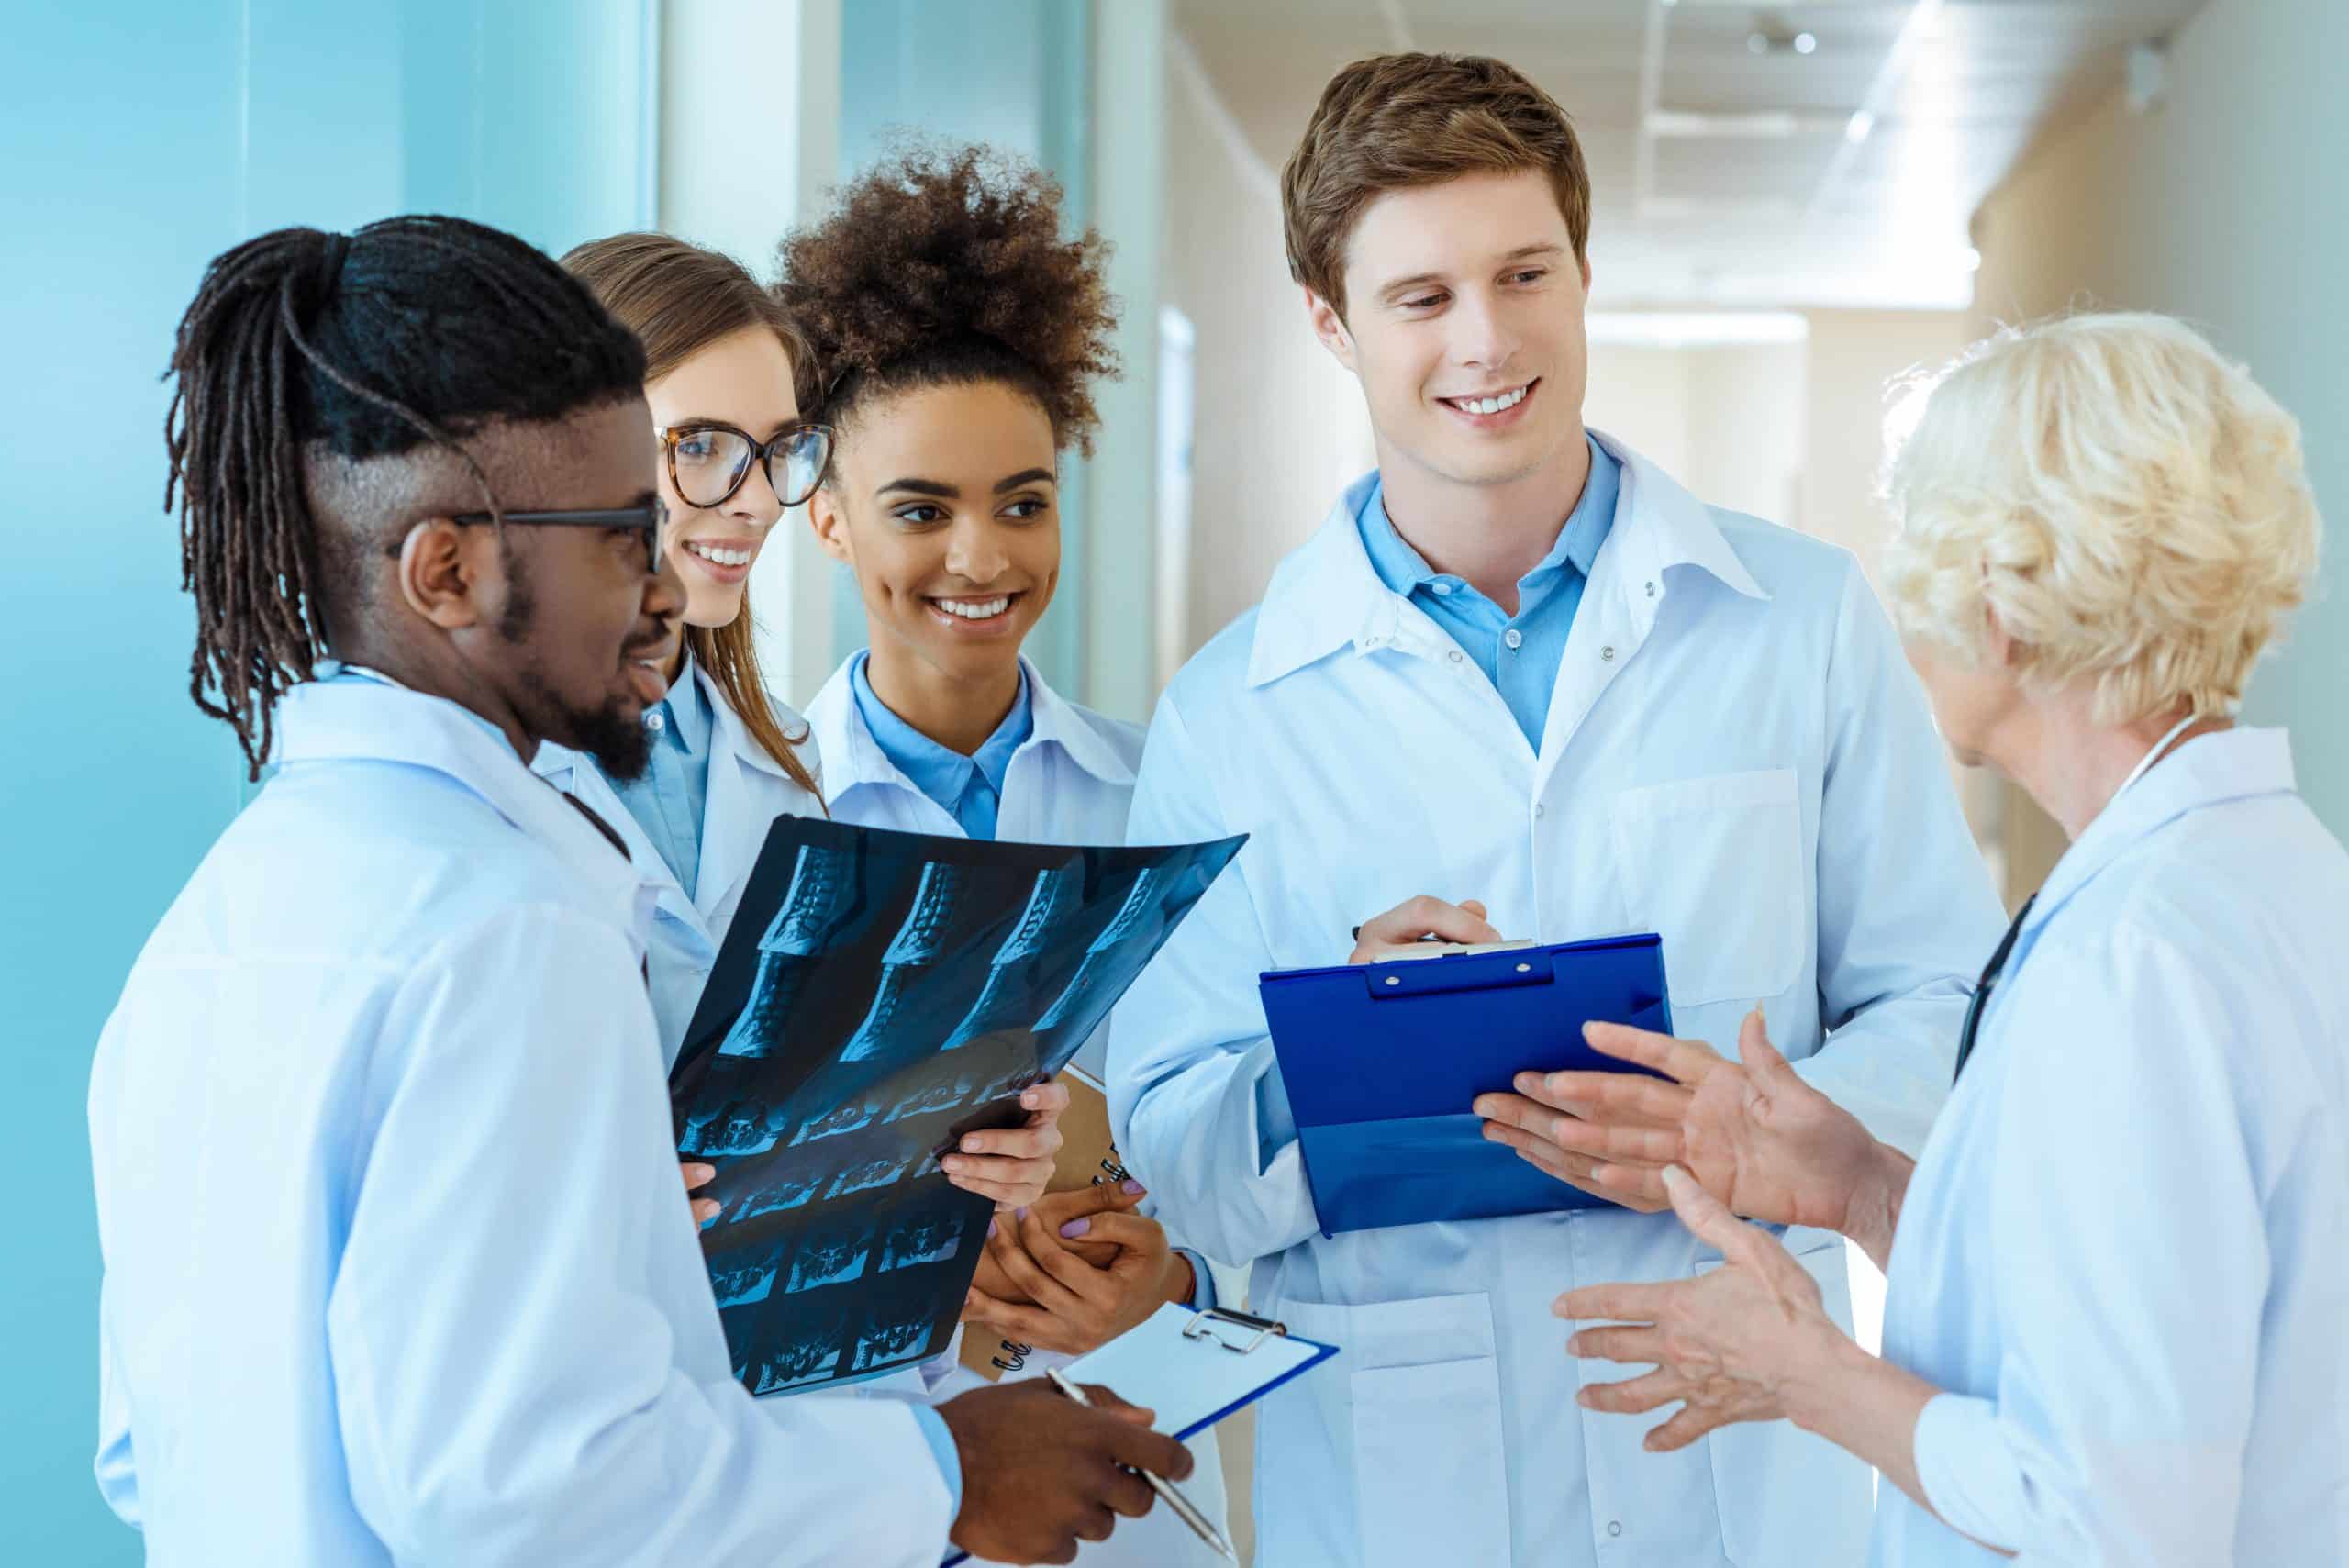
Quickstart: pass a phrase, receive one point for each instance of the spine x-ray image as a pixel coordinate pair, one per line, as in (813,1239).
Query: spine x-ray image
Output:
(878,995)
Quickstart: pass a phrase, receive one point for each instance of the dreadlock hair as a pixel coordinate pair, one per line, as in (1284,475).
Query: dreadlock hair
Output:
(304,345)
(947,268)
(679,298)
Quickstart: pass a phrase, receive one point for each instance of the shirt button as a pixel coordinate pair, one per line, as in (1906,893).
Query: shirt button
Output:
(1513,636)
(655,721)
(1444,588)
(1607,653)
(1614,1526)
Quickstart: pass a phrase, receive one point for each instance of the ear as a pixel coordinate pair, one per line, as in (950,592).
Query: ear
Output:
(1330,326)
(1585,277)
(1998,647)
(830,521)
(441,569)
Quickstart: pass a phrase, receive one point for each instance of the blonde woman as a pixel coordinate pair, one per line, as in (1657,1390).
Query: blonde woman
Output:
(2115,1331)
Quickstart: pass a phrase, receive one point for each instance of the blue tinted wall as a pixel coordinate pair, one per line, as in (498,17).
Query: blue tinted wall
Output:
(138,139)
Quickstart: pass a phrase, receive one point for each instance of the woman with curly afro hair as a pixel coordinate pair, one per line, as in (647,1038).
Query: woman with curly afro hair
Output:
(954,337)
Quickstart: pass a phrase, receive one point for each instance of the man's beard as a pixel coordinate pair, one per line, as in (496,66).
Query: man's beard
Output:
(618,744)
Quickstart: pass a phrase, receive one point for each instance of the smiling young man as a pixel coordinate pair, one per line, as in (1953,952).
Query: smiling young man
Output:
(1520,683)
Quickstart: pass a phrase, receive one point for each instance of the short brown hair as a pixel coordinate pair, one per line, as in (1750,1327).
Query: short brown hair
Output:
(679,298)
(1396,121)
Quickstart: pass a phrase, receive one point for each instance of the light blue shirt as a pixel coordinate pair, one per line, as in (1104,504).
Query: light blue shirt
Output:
(667,799)
(1732,712)
(2120,1254)
(968,789)
(405,977)
(1518,653)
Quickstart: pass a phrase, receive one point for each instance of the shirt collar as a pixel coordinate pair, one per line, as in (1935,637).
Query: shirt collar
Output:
(1405,570)
(940,771)
(2232,764)
(362,715)
(853,757)
(686,724)
(1326,595)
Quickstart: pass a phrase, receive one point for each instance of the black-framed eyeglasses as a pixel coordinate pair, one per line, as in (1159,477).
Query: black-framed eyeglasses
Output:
(708,461)
(649,520)
(1983,987)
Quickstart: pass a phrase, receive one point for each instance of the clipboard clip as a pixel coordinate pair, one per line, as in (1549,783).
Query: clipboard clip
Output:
(1202,1326)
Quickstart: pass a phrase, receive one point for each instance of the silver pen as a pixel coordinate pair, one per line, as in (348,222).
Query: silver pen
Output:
(1185,1510)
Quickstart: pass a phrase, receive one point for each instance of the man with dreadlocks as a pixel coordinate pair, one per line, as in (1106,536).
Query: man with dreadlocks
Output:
(398,1269)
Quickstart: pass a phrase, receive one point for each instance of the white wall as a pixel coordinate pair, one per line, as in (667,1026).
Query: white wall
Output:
(1279,426)
(1725,420)
(749,138)
(2223,206)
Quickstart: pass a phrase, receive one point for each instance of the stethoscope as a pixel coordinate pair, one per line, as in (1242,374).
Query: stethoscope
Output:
(1991,971)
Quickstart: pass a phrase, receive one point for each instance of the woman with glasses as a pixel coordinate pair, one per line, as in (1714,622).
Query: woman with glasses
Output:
(959,337)
(727,759)
(2114,1326)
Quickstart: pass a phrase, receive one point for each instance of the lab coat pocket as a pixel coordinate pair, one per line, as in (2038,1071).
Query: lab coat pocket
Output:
(1429,1479)
(1715,866)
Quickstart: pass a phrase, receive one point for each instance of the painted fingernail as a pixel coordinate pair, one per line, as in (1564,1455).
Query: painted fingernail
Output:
(1019,1214)
(1076,1227)
(1131,1188)
(990,1228)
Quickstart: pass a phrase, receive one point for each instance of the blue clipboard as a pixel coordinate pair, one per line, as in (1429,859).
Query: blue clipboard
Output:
(1196,1368)
(1383,1061)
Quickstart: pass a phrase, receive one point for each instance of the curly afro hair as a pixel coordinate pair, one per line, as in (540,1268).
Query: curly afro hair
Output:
(943,269)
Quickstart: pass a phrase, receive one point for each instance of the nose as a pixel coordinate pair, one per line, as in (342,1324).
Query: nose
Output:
(664,590)
(973,554)
(755,502)
(1481,333)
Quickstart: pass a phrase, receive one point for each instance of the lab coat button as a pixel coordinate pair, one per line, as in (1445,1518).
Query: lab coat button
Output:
(1607,653)
(1614,1526)
(1455,656)
(1538,811)
(1651,590)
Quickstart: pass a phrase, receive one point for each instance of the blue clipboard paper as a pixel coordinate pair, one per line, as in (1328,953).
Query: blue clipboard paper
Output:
(1383,1061)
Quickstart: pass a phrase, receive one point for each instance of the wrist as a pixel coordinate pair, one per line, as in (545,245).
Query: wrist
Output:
(1820,1376)
(1873,1212)
(1182,1281)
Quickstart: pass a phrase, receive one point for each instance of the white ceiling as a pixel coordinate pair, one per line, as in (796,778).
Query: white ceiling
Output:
(1721,176)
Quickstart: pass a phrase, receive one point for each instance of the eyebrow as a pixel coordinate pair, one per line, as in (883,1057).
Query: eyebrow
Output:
(1401,286)
(696,421)
(949,492)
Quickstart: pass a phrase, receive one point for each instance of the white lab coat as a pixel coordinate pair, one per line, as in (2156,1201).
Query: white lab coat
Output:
(2122,1251)
(397,1266)
(1071,782)
(1737,756)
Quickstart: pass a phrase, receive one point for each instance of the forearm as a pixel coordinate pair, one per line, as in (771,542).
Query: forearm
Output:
(1864,1406)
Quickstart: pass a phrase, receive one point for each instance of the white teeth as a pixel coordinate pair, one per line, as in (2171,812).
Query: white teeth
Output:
(974,610)
(1492,404)
(722,557)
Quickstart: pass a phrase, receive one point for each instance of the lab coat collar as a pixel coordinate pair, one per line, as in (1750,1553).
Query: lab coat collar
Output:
(853,757)
(2210,770)
(1327,595)
(379,721)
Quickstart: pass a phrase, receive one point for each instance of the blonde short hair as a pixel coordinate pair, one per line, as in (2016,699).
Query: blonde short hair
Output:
(2132,507)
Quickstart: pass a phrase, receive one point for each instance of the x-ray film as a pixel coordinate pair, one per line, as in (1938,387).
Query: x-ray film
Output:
(879,995)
